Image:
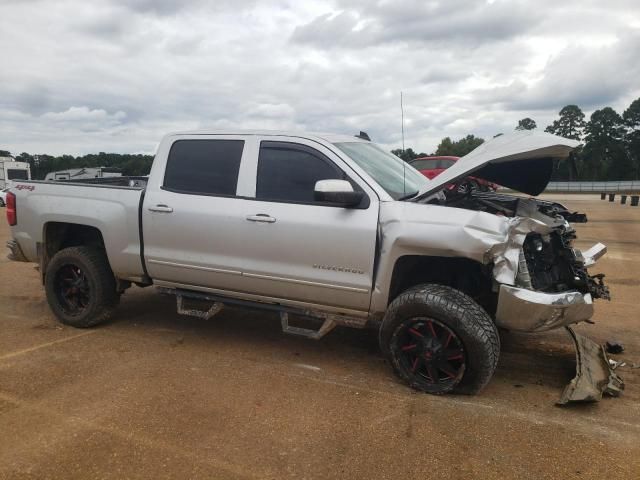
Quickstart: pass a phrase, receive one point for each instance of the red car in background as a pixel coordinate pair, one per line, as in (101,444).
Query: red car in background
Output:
(431,167)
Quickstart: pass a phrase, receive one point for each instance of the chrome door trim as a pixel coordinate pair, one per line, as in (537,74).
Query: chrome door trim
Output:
(194,267)
(161,209)
(260,276)
(261,217)
(306,282)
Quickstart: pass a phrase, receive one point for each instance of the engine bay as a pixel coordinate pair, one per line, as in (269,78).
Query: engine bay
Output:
(509,205)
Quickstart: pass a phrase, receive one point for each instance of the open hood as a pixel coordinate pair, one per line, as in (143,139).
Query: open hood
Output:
(521,160)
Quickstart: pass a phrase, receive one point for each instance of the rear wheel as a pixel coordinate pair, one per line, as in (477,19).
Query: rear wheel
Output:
(439,340)
(80,287)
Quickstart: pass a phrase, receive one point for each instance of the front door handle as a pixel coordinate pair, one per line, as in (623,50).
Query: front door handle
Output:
(261,217)
(161,209)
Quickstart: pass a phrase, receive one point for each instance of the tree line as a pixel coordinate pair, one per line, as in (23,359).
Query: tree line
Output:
(128,164)
(610,150)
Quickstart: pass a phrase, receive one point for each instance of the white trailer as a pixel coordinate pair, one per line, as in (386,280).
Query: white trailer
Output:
(10,170)
(83,173)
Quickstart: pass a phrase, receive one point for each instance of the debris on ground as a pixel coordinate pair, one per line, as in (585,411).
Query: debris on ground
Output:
(614,347)
(594,374)
(615,364)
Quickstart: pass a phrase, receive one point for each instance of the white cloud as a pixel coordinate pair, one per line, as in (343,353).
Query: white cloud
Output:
(81,77)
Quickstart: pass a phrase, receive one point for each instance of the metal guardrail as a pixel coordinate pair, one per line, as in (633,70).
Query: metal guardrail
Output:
(626,186)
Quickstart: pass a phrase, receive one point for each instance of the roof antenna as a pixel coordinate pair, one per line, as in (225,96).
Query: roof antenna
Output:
(404,164)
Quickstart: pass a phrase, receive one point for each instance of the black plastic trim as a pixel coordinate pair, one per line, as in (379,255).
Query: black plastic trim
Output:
(141,235)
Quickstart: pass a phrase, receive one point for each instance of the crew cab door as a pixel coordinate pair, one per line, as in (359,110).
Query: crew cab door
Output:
(299,248)
(192,216)
(206,227)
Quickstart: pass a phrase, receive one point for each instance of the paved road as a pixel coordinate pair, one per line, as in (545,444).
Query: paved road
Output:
(156,395)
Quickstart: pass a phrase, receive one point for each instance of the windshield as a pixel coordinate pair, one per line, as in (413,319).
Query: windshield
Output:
(398,178)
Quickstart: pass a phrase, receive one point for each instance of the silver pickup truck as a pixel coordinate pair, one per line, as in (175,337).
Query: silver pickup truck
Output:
(327,230)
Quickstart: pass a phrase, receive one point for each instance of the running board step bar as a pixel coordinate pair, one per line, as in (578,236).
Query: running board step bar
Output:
(328,325)
(192,312)
(329,320)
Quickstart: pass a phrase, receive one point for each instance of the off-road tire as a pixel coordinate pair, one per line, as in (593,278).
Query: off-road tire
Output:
(101,286)
(459,313)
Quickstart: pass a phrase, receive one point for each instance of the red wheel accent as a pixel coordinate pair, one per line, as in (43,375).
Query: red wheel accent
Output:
(431,352)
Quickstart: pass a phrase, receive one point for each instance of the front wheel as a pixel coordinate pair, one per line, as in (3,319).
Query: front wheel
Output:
(439,340)
(80,287)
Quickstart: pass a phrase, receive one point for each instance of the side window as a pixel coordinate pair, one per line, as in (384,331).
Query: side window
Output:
(288,173)
(208,167)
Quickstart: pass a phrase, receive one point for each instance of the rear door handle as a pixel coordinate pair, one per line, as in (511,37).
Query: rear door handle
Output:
(261,217)
(161,209)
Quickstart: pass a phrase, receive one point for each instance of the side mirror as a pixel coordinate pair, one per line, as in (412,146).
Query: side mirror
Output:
(338,192)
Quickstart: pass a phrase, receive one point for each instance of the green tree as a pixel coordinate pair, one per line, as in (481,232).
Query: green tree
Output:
(129,164)
(526,124)
(408,154)
(631,117)
(604,155)
(458,148)
(5,153)
(570,124)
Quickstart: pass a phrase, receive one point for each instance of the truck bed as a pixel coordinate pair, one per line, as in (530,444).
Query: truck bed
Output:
(110,207)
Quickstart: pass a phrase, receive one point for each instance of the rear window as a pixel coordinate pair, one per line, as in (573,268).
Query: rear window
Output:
(205,167)
(432,163)
(15,174)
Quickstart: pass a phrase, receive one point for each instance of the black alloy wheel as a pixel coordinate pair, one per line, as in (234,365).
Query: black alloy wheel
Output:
(80,286)
(72,289)
(431,353)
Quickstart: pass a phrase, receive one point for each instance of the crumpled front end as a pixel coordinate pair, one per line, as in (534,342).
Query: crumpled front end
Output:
(525,310)
(549,288)
(544,282)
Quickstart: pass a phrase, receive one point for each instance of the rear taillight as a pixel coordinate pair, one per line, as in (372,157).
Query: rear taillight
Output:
(12,215)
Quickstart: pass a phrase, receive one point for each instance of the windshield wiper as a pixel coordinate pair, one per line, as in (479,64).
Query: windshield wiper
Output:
(409,195)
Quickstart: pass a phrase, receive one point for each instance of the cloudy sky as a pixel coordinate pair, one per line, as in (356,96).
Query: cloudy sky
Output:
(88,76)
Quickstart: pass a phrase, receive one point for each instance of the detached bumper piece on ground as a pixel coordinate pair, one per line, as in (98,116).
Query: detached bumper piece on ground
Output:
(594,375)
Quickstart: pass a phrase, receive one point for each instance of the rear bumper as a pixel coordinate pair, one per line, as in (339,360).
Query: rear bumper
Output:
(525,310)
(15,253)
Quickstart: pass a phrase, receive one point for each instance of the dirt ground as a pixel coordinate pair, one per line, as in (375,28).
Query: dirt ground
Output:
(157,395)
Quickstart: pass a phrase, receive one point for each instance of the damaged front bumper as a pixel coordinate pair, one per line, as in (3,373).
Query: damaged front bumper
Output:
(594,376)
(524,310)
